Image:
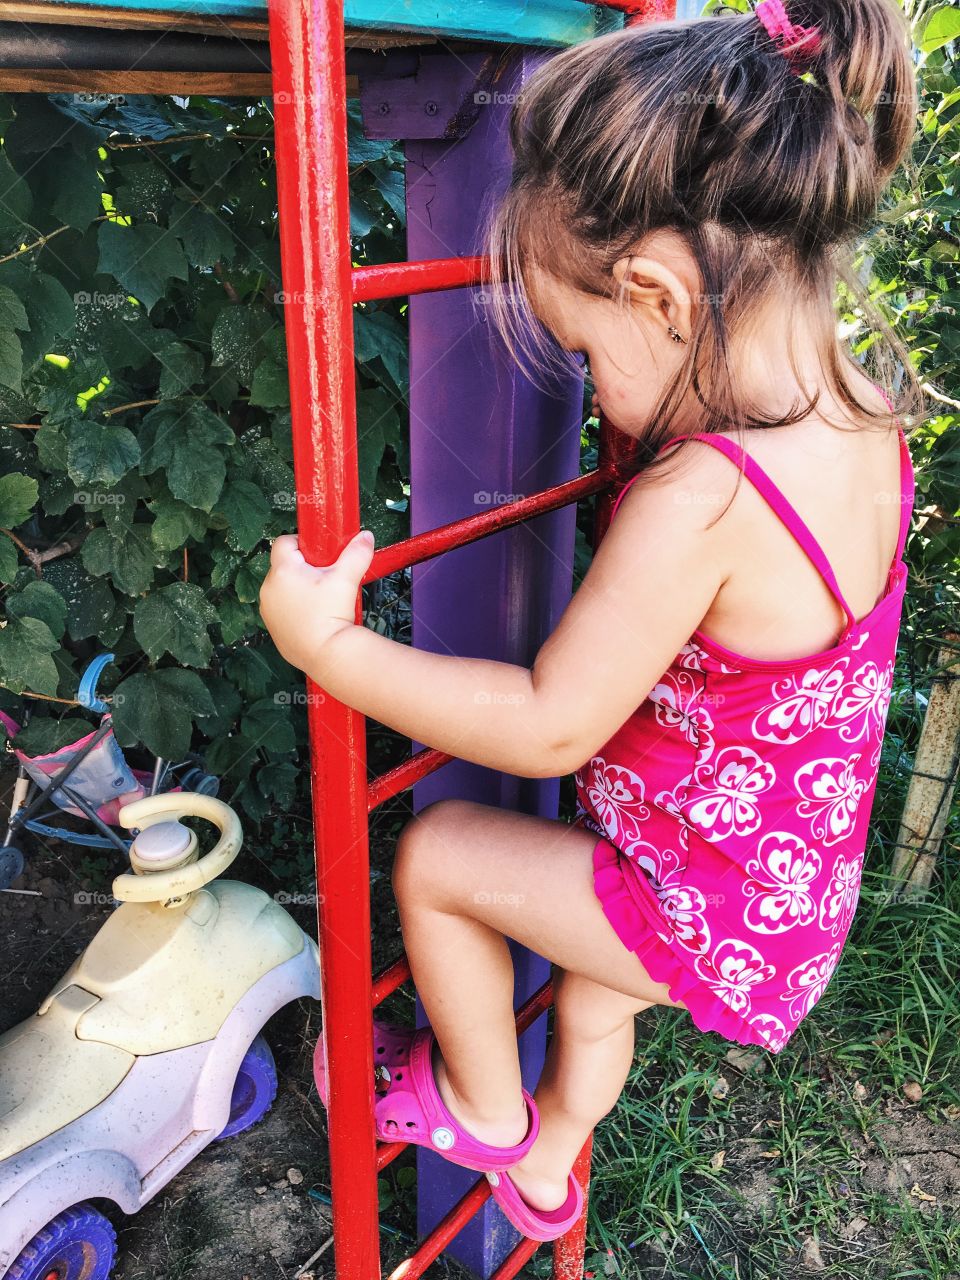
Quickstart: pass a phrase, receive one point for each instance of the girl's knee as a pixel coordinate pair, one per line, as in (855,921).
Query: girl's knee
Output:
(422,843)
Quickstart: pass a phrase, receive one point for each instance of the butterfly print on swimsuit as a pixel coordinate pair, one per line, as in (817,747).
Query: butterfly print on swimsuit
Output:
(779,888)
(807,982)
(801,703)
(830,794)
(860,707)
(734,967)
(676,696)
(839,901)
(611,790)
(723,794)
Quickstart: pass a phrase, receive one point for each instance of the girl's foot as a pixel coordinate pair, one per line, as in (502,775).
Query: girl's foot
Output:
(539,1190)
(500,1133)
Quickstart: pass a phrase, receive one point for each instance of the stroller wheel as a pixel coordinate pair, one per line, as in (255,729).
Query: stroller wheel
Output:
(11,865)
(204,784)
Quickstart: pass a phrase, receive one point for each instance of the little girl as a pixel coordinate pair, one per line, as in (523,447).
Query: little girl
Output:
(684,198)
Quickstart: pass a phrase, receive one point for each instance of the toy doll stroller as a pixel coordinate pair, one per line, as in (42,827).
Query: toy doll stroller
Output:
(88,778)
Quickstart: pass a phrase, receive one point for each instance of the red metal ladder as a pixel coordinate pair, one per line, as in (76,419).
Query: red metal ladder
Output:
(321,287)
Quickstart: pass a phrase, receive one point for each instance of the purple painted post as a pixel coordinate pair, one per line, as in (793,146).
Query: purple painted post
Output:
(479,432)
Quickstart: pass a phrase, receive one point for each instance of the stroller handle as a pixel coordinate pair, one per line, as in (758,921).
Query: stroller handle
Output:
(158,886)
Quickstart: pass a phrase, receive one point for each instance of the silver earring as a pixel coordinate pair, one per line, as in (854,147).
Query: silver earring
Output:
(676,335)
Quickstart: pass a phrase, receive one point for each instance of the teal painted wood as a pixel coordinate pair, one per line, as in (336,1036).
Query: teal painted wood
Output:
(540,22)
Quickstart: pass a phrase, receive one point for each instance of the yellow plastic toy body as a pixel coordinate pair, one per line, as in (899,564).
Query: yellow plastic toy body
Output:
(127,1069)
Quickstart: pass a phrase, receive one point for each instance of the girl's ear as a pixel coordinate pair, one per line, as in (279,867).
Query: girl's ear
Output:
(653,286)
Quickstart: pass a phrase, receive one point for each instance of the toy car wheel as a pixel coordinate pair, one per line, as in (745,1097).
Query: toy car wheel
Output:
(79,1244)
(11,864)
(253,1090)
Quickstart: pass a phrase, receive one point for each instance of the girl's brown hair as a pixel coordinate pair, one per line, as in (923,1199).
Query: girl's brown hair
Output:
(770,177)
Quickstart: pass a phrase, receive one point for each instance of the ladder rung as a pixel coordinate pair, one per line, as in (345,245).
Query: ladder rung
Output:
(515,1259)
(398,279)
(388,980)
(418,766)
(449,1225)
(459,533)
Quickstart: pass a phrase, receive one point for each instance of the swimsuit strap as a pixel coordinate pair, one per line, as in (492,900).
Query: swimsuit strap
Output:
(784,509)
(907,492)
(788,513)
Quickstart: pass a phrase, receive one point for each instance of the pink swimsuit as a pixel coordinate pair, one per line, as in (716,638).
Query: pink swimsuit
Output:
(735,802)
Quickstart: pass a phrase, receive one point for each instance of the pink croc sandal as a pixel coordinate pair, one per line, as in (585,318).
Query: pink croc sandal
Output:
(410,1108)
(536,1224)
(390,1046)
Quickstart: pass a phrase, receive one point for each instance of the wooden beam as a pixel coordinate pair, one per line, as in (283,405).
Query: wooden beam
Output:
(33,12)
(40,12)
(220,83)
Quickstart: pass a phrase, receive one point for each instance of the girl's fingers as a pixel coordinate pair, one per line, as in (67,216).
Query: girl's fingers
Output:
(285,550)
(355,558)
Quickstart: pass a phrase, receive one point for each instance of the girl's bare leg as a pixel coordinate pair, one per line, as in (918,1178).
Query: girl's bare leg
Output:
(588,1061)
(466,878)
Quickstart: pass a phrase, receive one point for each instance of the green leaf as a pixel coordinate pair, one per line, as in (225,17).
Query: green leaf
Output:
(377,333)
(11,360)
(18,497)
(143,258)
(100,454)
(145,190)
(267,724)
(279,781)
(25,662)
(51,447)
(175,620)
(254,671)
(196,476)
(237,620)
(77,194)
(391,185)
(227,705)
(52,315)
(175,522)
(362,217)
(39,600)
(942,26)
(89,601)
(12,312)
(377,421)
(186,441)
(230,756)
(235,340)
(250,577)
(206,238)
(16,204)
(246,512)
(8,560)
(124,553)
(270,387)
(180,368)
(46,734)
(159,708)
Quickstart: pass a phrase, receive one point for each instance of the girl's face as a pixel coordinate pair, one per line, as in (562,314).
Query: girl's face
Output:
(630,355)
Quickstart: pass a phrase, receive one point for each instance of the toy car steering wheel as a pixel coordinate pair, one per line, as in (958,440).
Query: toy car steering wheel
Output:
(158,886)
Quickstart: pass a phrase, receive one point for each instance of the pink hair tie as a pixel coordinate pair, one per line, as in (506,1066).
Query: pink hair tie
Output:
(798,44)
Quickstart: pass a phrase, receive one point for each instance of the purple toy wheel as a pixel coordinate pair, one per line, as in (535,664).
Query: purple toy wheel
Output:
(79,1244)
(253,1090)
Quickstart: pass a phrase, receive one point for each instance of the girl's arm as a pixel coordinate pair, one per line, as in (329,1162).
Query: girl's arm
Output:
(650,584)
